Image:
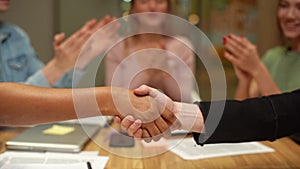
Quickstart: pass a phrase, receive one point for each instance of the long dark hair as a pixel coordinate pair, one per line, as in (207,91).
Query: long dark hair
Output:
(283,40)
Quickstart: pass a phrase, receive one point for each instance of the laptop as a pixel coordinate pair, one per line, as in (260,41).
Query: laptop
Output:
(58,137)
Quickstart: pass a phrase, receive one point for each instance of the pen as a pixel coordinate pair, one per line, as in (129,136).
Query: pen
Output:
(89,166)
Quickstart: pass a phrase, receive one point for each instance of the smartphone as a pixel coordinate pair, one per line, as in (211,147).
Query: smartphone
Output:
(121,140)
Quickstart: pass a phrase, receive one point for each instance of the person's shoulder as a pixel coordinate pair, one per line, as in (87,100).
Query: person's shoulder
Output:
(5,26)
(116,53)
(183,39)
(14,30)
(275,52)
(179,42)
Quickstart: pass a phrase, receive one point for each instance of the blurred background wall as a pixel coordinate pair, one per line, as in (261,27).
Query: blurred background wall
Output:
(73,13)
(37,18)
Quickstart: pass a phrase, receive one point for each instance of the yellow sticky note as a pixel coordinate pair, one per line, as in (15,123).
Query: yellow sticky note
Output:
(59,130)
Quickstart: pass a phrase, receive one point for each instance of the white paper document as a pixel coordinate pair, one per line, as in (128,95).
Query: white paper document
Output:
(49,160)
(187,150)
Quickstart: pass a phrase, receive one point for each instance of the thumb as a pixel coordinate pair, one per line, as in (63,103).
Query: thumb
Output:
(162,44)
(142,90)
(146,90)
(58,39)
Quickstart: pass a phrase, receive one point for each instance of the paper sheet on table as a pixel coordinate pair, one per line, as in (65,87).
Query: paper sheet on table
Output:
(49,160)
(187,150)
(59,130)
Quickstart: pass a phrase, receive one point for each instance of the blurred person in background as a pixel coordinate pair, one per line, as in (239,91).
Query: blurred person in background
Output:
(20,63)
(279,69)
(169,62)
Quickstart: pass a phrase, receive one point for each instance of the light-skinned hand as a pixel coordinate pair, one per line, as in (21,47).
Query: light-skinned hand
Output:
(137,129)
(242,53)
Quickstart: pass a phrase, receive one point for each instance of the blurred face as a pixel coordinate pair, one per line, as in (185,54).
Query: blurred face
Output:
(289,18)
(150,6)
(151,19)
(4,4)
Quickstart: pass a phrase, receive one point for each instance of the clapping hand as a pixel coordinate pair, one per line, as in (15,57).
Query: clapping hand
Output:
(68,50)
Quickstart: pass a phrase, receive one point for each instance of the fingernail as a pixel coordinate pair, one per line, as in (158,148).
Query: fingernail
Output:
(224,40)
(129,117)
(137,123)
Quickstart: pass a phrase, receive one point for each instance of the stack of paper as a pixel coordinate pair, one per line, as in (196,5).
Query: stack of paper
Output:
(49,160)
(188,150)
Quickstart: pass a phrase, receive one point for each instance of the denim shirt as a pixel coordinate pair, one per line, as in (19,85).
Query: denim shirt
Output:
(19,62)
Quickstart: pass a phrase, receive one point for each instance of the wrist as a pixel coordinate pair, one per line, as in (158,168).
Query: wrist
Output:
(190,117)
(244,81)
(52,72)
(257,71)
(106,103)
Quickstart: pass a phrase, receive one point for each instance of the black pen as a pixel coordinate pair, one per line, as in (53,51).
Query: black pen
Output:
(89,165)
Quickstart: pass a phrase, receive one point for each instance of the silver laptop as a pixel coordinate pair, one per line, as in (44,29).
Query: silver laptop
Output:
(35,139)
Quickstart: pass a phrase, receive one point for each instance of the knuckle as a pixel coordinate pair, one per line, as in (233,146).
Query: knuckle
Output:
(124,126)
(130,133)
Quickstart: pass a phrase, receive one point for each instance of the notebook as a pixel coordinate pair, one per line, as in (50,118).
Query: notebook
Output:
(54,137)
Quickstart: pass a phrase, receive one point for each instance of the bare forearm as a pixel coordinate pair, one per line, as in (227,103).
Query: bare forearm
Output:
(26,105)
(242,91)
(190,117)
(265,82)
(53,72)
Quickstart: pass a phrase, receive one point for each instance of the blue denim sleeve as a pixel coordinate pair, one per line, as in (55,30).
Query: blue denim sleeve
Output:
(38,79)
(68,80)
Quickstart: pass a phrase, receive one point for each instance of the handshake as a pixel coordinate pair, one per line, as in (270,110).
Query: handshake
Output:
(145,112)
(149,114)
(158,116)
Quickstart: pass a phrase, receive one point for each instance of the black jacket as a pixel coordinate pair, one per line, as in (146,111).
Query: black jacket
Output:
(265,118)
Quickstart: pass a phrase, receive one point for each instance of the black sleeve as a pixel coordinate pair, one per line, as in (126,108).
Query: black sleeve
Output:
(265,118)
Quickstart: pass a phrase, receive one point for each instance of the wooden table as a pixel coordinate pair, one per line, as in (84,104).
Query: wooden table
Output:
(287,156)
